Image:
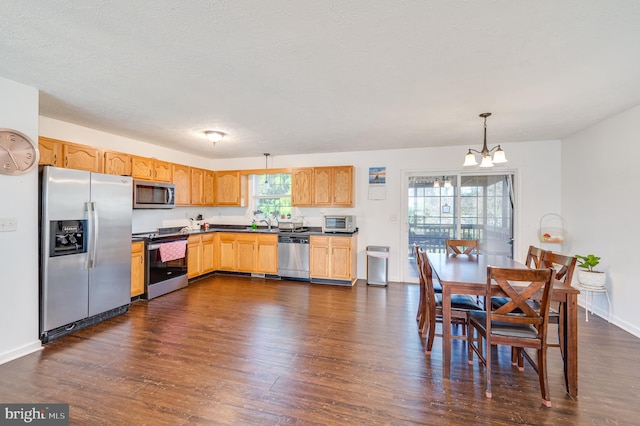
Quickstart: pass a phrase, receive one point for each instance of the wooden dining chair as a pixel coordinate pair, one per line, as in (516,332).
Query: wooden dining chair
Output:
(534,260)
(563,267)
(461,246)
(506,326)
(419,314)
(460,304)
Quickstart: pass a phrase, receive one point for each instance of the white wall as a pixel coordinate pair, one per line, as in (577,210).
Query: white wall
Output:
(19,259)
(600,196)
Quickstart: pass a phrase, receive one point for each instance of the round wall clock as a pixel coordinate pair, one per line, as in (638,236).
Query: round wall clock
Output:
(18,153)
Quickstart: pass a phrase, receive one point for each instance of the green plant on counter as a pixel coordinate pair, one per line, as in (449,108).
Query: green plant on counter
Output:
(588,262)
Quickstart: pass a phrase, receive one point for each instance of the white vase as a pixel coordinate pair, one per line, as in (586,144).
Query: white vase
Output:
(591,278)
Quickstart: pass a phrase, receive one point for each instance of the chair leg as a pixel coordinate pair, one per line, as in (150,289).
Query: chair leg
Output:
(431,333)
(488,367)
(542,374)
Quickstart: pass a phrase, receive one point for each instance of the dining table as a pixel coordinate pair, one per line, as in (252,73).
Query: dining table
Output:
(467,274)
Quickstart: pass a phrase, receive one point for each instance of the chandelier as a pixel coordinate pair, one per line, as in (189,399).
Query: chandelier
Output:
(487,161)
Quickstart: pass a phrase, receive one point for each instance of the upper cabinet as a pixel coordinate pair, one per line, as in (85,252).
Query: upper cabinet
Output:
(117,163)
(208,189)
(182,181)
(228,188)
(151,169)
(50,152)
(197,182)
(69,155)
(333,186)
(82,157)
(302,187)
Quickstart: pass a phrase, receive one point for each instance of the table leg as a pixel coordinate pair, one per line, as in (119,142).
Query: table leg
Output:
(446,330)
(571,344)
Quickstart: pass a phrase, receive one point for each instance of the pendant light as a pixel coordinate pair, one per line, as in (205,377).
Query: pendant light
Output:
(498,156)
(266,167)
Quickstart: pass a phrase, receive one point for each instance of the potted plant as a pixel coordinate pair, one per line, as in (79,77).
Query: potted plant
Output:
(587,276)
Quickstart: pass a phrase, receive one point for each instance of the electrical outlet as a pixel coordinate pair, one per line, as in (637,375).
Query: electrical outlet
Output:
(394,218)
(8,224)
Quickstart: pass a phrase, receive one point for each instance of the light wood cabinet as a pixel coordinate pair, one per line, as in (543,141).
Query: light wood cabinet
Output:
(333,258)
(227,251)
(162,171)
(333,186)
(50,152)
(200,257)
(151,169)
(81,157)
(197,183)
(194,256)
(69,155)
(228,189)
(208,188)
(302,187)
(137,268)
(248,252)
(117,163)
(267,254)
(245,252)
(182,182)
(142,168)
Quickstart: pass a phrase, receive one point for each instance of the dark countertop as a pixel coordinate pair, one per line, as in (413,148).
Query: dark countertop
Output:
(260,230)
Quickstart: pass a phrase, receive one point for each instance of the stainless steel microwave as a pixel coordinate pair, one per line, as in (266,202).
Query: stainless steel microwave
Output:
(153,195)
(339,223)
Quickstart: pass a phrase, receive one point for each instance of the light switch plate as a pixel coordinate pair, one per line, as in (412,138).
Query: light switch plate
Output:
(8,224)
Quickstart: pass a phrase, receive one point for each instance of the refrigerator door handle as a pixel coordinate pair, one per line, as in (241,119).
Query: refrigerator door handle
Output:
(92,211)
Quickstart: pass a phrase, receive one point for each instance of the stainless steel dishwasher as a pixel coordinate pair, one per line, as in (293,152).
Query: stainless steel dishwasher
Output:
(293,257)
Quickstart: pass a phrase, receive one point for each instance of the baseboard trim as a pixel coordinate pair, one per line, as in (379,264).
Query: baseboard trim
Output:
(16,353)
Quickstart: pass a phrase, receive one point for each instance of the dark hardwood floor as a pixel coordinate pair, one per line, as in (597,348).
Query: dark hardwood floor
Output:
(231,350)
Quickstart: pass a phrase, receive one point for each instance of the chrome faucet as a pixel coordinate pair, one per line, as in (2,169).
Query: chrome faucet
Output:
(268,222)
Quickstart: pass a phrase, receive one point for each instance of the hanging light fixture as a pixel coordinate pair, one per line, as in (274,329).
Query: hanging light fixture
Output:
(266,167)
(498,156)
(214,136)
(446,182)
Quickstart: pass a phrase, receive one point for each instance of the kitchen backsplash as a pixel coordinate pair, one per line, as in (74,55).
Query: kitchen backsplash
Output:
(149,220)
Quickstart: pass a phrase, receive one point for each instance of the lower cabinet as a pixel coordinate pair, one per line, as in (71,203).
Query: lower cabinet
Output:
(137,268)
(200,254)
(333,258)
(247,252)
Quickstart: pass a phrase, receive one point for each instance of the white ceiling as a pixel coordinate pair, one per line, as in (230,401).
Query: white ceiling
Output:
(302,76)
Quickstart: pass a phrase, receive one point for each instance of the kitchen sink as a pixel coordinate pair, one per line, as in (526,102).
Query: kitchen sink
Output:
(262,230)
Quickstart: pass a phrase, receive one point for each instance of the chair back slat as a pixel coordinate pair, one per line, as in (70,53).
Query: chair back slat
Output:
(561,264)
(427,276)
(461,246)
(520,285)
(534,257)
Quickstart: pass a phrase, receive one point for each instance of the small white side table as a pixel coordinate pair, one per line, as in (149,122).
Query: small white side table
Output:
(591,291)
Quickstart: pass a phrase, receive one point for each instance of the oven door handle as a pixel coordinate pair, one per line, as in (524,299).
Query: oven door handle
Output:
(156,246)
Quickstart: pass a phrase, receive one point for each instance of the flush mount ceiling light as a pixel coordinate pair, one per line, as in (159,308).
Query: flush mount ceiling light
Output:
(214,135)
(498,156)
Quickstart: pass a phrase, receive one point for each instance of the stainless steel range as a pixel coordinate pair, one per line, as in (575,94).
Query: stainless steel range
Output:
(166,261)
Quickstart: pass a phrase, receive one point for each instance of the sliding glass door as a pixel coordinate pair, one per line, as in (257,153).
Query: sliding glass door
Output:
(441,207)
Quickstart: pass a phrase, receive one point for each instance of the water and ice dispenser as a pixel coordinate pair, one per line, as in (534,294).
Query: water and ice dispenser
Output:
(67,237)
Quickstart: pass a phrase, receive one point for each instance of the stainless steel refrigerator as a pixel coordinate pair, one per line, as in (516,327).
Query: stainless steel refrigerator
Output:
(85,249)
